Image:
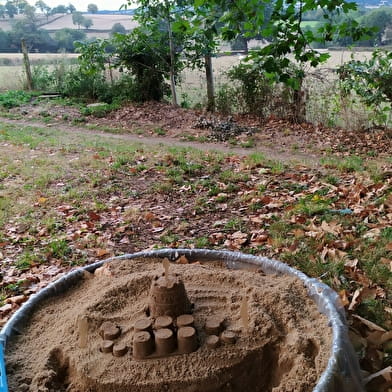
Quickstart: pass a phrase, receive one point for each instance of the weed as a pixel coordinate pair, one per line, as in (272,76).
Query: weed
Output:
(221,198)
(348,164)
(233,177)
(169,238)
(250,143)
(160,131)
(386,233)
(235,224)
(331,179)
(16,287)
(121,161)
(26,260)
(202,242)
(214,190)
(372,310)
(312,205)
(58,249)
(277,167)
(99,110)
(14,98)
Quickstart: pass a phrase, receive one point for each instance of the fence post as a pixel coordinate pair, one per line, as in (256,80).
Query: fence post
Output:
(26,62)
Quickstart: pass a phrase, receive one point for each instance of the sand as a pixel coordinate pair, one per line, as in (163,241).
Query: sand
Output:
(282,345)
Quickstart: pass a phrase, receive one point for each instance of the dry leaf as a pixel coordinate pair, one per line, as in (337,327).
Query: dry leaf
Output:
(385,373)
(103,271)
(42,200)
(355,299)
(101,252)
(331,227)
(182,260)
(369,324)
(344,297)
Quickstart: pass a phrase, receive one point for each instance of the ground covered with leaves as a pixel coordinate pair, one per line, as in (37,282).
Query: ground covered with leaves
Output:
(154,119)
(68,198)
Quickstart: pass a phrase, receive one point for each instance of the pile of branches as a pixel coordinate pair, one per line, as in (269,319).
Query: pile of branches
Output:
(223,130)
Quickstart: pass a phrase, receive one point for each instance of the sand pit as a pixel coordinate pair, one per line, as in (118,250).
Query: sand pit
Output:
(240,331)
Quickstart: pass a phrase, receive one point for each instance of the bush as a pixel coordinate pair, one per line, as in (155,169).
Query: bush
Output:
(371,81)
(251,92)
(43,79)
(14,98)
(76,83)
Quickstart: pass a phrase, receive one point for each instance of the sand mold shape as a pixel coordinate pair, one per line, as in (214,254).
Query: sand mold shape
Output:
(284,347)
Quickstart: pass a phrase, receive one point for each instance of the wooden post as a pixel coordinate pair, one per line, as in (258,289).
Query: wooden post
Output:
(26,62)
(210,83)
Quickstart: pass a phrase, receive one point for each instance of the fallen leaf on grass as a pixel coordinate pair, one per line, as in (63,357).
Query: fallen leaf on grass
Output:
(18,299)
(42,200)
(101,252)
(6,309)
(344,297)
(355,299)
(93,216)
(331,227)
(236,240)
(387,262)
(373,233)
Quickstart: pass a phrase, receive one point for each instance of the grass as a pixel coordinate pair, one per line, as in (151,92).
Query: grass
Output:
(348,164)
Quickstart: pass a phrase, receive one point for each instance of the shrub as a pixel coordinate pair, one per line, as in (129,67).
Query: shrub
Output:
(14,98)
(371,81)
(250,91)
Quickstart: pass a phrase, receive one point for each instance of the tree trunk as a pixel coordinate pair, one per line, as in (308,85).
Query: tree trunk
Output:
(246,46)
(172,65)
(299,104)
(210,83)
(26,62)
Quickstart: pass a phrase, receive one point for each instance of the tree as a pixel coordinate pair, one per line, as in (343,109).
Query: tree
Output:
(87,23)
(66,38)
(40,4)
(117,28)
(77,19)
(380,18)
(29,12)
(45,9)
(11,9)
(3,11)
(289,50)
(4,41)
(92,8)
(21,5)
(35,38)
(60,9)
(71,8)
(164,12)
(145,53)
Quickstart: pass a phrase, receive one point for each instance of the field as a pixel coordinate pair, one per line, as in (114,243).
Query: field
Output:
(309,23)
(100,22)
(11,72)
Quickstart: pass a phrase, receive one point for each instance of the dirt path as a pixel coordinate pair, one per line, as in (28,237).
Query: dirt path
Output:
(277,153)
